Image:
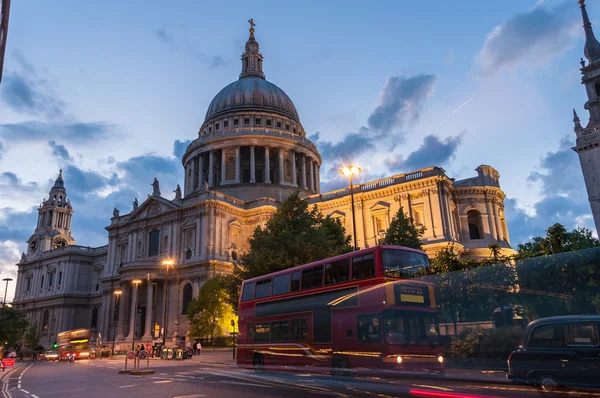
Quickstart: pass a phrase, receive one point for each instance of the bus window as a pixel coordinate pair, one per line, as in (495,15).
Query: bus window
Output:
(337,272)
(263,288)
(280,331)
(299,329)
(304,329)
(261,332)
(248,293)
(403,263)
(369,330)
(312,277)
(281,284)
(295,281)
(249,332)
(363,267)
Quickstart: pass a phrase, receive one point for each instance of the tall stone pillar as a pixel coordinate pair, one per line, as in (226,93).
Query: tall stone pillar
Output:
(223,170)
(252,166)
(316,166)
(499,230)
(200,182)
(281,171)
(312,175)
(192,177)
(237,164)
(125,293)
(303,172)
(149,311)
(133,312)
(267,166)
(294,176)
(211,168)
(490,218)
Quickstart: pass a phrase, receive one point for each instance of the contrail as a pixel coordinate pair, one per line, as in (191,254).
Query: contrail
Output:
(457,109)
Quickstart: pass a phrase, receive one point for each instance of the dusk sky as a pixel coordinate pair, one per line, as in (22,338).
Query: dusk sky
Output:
(112,92)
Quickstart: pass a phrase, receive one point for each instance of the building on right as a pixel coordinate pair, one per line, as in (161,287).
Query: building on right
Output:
(4,11)
(588,137)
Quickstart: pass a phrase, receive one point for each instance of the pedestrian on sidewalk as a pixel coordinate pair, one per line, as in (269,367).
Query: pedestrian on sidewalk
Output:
(194,349)
(198,348)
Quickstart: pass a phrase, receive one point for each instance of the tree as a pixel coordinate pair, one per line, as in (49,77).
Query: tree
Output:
(294,236)
(32,338)
(403,232)
(557,240)
(13,325)
(209,313)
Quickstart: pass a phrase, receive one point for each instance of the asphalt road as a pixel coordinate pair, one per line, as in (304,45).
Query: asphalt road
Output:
(190,379)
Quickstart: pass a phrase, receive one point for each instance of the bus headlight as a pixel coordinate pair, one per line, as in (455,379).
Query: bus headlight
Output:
(84,354)
(399,359)
(441,359)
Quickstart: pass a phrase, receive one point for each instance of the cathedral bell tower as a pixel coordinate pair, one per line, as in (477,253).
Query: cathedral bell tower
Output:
(54,221)
(588,137)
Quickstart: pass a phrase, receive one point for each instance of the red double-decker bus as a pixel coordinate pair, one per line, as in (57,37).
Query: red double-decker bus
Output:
(363,309)
(76,342)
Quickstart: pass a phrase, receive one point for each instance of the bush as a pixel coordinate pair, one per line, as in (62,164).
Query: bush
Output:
(486,343)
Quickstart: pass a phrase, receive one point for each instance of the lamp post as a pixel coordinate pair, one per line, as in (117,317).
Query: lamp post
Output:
(350,171)
(5,290)
(117,294)
(135,283)
(166,263)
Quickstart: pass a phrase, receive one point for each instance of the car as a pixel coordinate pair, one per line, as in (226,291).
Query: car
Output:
(560,351)
(50,356)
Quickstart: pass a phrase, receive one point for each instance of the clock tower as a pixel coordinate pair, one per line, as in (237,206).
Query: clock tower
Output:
(54,221)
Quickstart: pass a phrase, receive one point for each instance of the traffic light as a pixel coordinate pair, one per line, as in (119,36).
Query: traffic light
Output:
(54,346)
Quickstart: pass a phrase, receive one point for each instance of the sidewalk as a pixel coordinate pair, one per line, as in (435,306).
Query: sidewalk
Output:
(8,371)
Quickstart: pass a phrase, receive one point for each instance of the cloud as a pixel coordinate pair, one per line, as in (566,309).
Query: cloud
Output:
(531,35)
(15,225)
(9,182)
(560,172)
(9,256)
(82,182)
(180,41)
(433,152)
(400,102)
(1,149)
(80,133)
(352,145)
(179,148)
(59,150)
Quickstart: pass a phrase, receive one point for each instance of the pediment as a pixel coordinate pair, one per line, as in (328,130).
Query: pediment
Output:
(380,207)
(151,207)
(235,224)
(337,214)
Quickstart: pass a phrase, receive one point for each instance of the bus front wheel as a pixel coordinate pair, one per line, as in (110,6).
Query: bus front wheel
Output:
(258,363)
(339,366)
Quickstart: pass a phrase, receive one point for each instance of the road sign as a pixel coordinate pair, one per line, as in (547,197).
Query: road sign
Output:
(143,354)
(8,362)
(131,355)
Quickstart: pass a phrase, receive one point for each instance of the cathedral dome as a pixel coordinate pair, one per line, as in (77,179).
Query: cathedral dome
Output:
(252,93)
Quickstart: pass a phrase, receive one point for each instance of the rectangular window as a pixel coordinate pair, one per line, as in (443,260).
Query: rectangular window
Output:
(299,329)
(363,267)
(312,277)
(403,263)
(50,279)
(59,278)
(279,125)
(28,284)
(581,334)
(281,284)
(546,336)
(216,126)
(235,122)
(248,293)
(295,281)
(247,121)
(263,288)
(369,329)
(225,124)
(294,131)
(154,243)
(257,121)
(261,332)
(337,272)
(287,127)
(269,122)
(42,282)
(280,331)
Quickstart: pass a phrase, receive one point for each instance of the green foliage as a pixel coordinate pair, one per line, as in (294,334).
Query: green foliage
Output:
(486,343)
(294,236)
(209,313)
(403,232)
(32,338)
(557,240)
(13,325)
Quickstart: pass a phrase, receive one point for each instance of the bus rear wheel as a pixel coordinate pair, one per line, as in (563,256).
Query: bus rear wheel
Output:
(258,363)
(339,366)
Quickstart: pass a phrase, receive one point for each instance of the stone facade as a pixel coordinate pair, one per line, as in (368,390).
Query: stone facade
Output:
(251,152)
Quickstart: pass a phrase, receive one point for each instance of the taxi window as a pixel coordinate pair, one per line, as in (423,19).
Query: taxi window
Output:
(581,334)
(546,336)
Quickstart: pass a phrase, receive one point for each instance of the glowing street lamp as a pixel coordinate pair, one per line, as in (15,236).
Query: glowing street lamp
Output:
(135,283)
(117,294)
(350,171)
(167,263)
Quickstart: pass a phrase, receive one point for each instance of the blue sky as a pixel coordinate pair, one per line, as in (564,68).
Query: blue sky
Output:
(112,92)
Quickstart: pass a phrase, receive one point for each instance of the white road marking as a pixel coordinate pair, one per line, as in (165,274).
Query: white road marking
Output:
(130,385)
(163,381)
(239,383)
(34,396)
(436,387)
(191,396)
(25,391)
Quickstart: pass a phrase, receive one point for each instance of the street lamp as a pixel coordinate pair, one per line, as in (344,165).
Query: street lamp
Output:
(5,290)
(135,283)
(350,171)
(167,263)
(117,294)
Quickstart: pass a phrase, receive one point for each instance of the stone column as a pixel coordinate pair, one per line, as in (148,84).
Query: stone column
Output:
(316,175)
(237,164)
(252,166)
(490,219)
(223,171)
(122,299)
(192,176)
(211,169)
(312,175)
(281,170)
(318,171)
(294,176)
(499,230)
(133,312)
(200,182)
(267,168)
(303,171)
(149,311)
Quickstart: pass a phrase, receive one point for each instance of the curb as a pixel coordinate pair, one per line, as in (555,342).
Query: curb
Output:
(7,373)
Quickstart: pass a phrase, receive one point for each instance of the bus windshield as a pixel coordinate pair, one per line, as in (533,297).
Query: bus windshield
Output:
(403,263)
(409,328)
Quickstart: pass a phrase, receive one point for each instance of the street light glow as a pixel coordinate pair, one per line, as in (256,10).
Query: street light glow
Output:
(136,281)
(350,170)
(117,292)
(168,262)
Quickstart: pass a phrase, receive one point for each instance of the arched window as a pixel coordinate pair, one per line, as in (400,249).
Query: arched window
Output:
(187,297)
(475,227)
(154,243)
(94,318)
(45,323)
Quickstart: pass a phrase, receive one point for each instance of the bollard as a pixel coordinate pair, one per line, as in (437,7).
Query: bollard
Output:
(131,355)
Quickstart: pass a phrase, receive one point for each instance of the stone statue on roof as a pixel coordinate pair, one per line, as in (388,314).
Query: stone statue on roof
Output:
(135,204)
(177,192)
(155,187)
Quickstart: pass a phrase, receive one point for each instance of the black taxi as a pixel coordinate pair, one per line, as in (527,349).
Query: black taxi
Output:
(561,351)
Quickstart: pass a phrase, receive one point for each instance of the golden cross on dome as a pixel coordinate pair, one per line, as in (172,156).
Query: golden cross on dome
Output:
(251,22)
(581,3)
